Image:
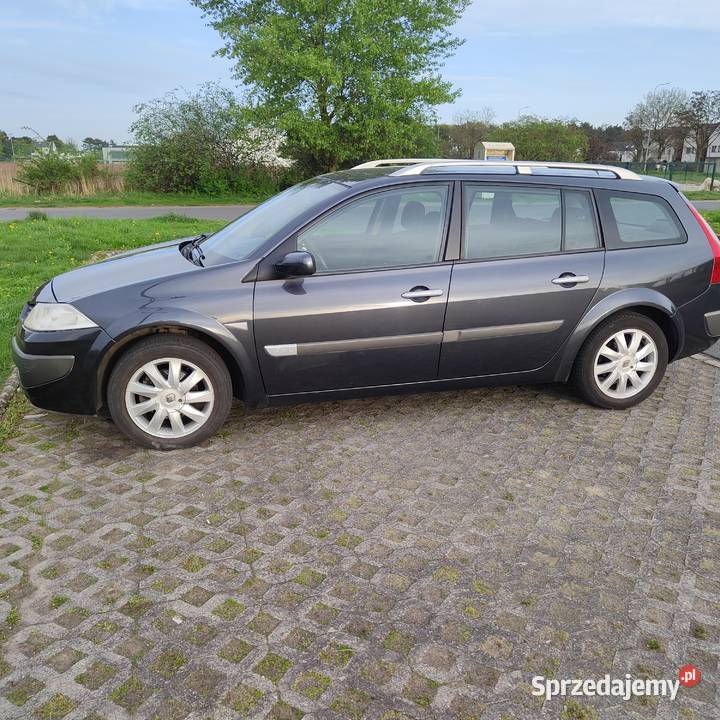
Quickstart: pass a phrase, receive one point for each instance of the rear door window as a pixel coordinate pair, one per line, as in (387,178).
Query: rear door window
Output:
(638,220)
(511,222)
(514,222)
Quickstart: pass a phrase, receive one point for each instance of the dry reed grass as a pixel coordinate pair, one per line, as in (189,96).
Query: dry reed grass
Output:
(108,182)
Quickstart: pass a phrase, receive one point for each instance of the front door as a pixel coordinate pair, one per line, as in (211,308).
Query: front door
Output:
(531,262)
(373,312)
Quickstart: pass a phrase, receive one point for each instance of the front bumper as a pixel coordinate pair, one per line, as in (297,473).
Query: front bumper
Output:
(59,370)
(38,370)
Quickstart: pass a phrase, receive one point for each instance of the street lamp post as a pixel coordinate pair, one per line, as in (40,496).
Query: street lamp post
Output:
(647,146)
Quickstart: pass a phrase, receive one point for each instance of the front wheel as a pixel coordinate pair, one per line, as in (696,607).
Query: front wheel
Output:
(622,361)
(169,392)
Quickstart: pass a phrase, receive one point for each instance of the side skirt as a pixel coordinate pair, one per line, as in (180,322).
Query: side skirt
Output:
(544,375)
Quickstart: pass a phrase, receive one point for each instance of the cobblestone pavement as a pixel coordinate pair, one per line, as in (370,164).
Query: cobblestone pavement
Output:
(403,557)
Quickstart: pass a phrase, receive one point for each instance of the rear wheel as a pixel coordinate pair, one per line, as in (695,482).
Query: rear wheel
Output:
(169,392)
(622,361)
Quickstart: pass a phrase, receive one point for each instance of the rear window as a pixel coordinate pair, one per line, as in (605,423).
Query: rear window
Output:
(634,220)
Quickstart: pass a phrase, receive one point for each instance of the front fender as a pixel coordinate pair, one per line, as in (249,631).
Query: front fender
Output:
(238,342)
(609,305)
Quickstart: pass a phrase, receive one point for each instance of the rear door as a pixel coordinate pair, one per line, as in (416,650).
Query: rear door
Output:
(373,312)
(531,261)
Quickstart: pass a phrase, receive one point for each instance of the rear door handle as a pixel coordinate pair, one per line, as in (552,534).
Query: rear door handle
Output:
(570,279)
(421,293)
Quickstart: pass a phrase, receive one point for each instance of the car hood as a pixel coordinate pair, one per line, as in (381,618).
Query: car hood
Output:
(155,262)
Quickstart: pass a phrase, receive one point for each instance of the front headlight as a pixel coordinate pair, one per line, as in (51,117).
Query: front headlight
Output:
(56,316)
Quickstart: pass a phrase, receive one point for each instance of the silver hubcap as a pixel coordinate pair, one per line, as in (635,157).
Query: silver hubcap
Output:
(625,364)
(169,398)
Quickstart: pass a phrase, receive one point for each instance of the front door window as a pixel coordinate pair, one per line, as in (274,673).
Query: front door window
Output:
(393,228)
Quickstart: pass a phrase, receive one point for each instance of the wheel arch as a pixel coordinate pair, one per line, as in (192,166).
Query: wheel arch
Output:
(643,301)
(236,360)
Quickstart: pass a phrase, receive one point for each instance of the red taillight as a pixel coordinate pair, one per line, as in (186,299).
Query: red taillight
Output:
(714,243)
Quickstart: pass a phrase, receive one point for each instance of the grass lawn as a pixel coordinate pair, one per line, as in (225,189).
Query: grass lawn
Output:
(126,198)
(33,251)
(713,217)
(703,194)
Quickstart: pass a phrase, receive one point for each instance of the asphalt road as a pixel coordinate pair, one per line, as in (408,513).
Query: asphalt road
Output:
(707,204)
(207,212)
(132,212)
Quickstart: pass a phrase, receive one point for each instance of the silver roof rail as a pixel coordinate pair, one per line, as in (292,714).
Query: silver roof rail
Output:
(395,161)
(416,166)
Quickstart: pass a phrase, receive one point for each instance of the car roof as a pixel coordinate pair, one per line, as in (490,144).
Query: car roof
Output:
(377,173)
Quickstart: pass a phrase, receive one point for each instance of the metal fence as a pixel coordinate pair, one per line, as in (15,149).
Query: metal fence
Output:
(686,173)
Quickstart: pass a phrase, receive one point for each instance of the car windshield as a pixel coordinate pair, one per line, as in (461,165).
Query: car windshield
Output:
(240,238)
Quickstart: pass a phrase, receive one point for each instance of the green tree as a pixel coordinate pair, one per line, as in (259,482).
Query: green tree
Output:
(346,80)
(657,116)
(458,140)
(601,140)
(540,139)
(5,146)
(23,146)
(94,145)
(61,146)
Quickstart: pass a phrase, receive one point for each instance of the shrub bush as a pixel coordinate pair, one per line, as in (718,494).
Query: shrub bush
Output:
(54,172)
(203,143)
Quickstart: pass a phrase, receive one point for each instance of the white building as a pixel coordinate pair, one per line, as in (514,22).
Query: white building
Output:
(625,152)
(690,151)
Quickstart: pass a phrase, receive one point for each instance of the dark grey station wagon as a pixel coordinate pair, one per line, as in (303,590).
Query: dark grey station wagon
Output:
(395,275)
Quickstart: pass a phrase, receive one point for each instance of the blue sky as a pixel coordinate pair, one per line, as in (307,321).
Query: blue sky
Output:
(77,67)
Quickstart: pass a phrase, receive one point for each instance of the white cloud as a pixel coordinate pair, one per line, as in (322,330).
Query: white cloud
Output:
(523,17)
(11,25)
(84,16)
(98,7)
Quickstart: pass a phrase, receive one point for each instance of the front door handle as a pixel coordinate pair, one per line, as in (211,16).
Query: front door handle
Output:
(570,279)
(419,293)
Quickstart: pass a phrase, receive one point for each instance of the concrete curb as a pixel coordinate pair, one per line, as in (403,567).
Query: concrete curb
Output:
(6,394)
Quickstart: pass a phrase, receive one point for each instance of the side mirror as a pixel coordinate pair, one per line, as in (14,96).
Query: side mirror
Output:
(295,263)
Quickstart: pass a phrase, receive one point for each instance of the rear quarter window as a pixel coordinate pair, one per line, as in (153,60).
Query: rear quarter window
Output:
(638,220)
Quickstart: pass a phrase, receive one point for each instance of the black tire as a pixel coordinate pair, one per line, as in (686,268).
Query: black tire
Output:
(185,348)
(583,377)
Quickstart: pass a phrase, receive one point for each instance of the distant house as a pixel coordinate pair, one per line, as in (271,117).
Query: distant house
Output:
(689,153)
(621,152)
(44,147)
(117,153)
